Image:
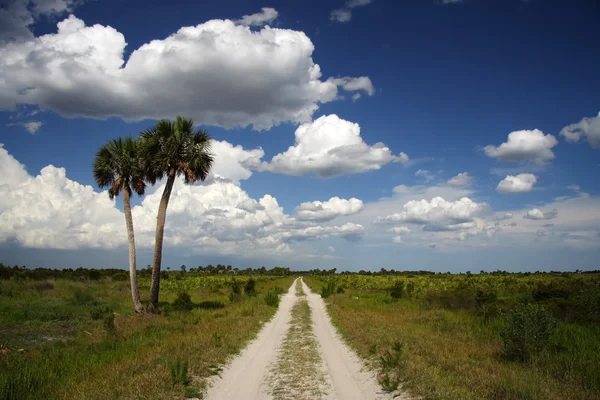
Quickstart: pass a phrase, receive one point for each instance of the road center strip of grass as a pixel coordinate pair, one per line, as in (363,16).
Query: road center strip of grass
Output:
(297,373)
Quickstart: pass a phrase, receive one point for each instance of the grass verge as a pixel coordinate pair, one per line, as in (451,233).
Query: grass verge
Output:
(81,340)
(452,354)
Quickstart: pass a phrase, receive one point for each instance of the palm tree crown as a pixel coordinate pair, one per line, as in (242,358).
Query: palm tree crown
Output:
(117,166)
(174,149)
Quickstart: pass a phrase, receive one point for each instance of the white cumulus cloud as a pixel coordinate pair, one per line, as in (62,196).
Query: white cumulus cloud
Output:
(437,214)
(331,146)
(537,214)
(516,184)
(462,179)
(328,210)
(589,128)
(218,72)
(524,145)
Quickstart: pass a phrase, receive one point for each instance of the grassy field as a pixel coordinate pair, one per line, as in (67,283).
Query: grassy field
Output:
(63,339)
(471,336)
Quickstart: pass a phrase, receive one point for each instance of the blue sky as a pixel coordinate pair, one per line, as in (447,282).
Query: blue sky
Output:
(383,102)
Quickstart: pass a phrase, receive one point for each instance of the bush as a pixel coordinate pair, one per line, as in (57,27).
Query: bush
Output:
(329,289)
(109,323)
(183,301)
(397,291)
(81,297)
(250,287)
(164,275)
(236,291)
(43,286)
(211,305)
(272,299)
(527,331)
(94,275)
(120,277)
(98,312)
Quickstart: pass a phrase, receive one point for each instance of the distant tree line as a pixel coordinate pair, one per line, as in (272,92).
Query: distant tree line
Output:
(22,272)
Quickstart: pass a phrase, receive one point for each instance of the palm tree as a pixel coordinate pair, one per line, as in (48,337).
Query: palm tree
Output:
(172,149)
(117,166)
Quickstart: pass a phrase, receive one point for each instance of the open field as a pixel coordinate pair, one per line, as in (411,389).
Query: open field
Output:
(66,339)
(458,336)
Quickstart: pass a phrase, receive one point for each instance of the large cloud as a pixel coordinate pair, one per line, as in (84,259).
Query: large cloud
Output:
(219,73)
(436,213)
(525,145)
(587,127)
(516,184)
(52,211)
(328,210)
(331,146)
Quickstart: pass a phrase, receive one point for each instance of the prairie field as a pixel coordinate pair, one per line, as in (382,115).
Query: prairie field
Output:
(488,336)
(79,338)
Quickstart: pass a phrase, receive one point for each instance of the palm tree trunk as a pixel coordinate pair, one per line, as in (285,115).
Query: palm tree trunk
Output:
(135,292)
(158,241)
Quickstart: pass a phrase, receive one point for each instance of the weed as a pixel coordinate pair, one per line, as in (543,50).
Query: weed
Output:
(179,372)
(389,384)
(272,299)
(217,339)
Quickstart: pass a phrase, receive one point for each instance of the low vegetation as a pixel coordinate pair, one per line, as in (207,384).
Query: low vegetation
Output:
(80,338)
(484,336)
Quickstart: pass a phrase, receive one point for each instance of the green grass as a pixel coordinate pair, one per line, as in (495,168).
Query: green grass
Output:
(68,354)
(457,353)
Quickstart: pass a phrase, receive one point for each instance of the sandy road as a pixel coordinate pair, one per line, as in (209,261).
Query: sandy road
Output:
(345,377)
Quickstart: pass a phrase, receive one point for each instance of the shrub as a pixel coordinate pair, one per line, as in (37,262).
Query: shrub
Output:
(527,331)
(164,275)
(94,275)
(329,289)
(250,287)
(183,301)
(43,286)
(179,372)
(81,297)
(120,277)
(236,291)
(109,323)
(211,305)
(272,299)
(98,312)
(397,291)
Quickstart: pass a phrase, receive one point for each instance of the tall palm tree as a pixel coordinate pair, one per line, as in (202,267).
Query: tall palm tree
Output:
(171,149)
(117,166)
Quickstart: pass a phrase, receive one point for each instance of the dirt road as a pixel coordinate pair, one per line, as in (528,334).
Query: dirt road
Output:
(297,355)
